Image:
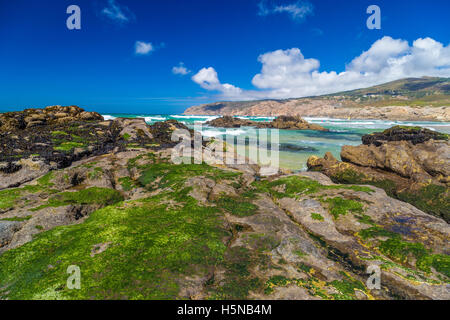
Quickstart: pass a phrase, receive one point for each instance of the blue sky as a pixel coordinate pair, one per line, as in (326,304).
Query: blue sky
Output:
(123,58)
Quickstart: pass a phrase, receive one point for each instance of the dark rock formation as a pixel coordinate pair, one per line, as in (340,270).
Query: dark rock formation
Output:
(292,123)
(401,133)
(282,122)
(52,115)
(231,122)
(31,147)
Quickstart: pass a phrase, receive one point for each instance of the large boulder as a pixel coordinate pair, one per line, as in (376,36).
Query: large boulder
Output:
(294,123)
(411,164)
(230,122)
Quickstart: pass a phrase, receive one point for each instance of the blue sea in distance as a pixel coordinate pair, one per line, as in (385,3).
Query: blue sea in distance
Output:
(297,146)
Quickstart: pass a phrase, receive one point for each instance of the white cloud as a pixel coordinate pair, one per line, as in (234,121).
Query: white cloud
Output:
(180,69)
(288,74)
(207,79)
(117,12)
(297,11)
(143,48)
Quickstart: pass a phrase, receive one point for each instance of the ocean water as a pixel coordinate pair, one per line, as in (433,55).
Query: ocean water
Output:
(297,146)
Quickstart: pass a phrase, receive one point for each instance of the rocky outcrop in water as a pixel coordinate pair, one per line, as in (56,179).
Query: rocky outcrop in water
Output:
(409,163)
(282,122)
(415,135)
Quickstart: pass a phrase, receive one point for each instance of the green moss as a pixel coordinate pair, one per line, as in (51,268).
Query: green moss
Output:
(126,136)
(150,249)
(432,199)
(304,267)
(166,175)
(17,219)
(276,281)
(39,227)
(238,281)
(317,216)
(127,183)
(59,133)
(95,174)
(350,176)
(402,251)
(376,231)
(9,197)
(441,263)
(94,195)
(346,288)
(340,206)
(69,146)
(363,218)
(237,207)
(45,180)
(295,186)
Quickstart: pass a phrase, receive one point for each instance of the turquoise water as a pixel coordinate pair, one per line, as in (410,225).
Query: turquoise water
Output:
(297,146)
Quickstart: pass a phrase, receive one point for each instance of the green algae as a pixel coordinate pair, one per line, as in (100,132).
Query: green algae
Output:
(346,288)
(127,183)
(95,174)
(237,207)
(45,181)
(295,186)
(94,195)
(59,133)
(405,252)
(432,199)
(375,232)
(238,281)
(10,197)
(317,216)
(151,245)
(150,249)
(19,219)
(69,146)
(340,206)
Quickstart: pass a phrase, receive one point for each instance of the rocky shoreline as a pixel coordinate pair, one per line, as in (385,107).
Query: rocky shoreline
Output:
(412,99)
(105,196)
(316,109)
